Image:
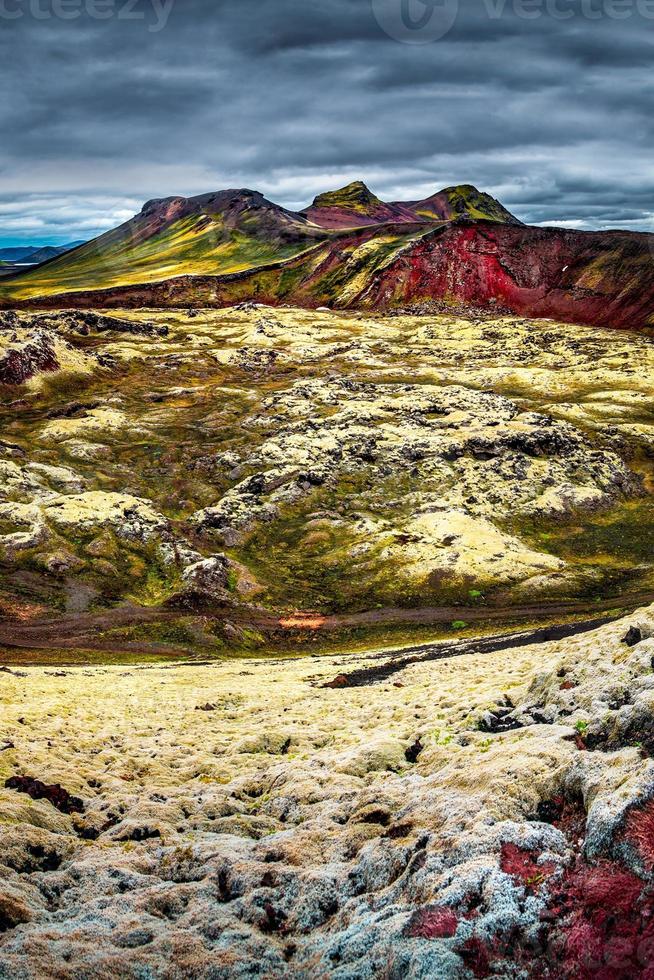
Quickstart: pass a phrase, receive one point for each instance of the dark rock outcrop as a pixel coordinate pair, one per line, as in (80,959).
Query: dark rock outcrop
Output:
(60,798)
(21,362)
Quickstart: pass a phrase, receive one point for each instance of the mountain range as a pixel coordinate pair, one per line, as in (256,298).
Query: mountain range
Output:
(35,254)
(349,249)
(13,260)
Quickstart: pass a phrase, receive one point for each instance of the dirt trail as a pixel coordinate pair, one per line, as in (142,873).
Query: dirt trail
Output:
(448,614)
(88,632)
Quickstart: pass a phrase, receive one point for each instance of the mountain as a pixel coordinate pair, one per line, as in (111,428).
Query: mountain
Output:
(463,201)
(214,233)
(49,252)
(350,250)
(354,206)
(234,231)
(16,254)
(600,278)
(35,254)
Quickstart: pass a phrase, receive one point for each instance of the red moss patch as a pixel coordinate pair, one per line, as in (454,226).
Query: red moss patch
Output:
(599,921)
(608,924)
(435,922)
(639,831)
(523,866)
(477,956)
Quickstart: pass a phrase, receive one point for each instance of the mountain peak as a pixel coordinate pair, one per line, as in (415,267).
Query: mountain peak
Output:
(465,189)
(353,197)
(356,205)
(353,205)
(171,205)
(463,201)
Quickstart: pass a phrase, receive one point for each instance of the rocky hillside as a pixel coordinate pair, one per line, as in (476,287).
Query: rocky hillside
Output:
(601,278)
(326,637)
(597,278)
(223,232)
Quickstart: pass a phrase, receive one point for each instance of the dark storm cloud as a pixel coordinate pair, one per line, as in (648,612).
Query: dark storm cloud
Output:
(550,113)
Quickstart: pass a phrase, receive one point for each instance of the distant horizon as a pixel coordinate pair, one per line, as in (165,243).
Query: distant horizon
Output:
(40,243)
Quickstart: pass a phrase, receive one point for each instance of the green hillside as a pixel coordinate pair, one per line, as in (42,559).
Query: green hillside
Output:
(194,245)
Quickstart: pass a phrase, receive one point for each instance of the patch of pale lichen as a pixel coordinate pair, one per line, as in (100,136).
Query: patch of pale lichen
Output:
(210,790)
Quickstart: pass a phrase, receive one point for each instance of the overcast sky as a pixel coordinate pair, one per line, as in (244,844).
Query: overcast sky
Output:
(550,113)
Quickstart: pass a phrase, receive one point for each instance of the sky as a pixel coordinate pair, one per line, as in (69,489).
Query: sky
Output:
(547,104)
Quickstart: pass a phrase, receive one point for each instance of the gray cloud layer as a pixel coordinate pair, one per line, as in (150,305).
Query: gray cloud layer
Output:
(551,113)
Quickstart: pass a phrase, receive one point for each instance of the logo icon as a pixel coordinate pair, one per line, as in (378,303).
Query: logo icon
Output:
(416,21)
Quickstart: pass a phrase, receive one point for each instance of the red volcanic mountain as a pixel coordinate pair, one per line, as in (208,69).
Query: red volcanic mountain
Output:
(600,278)
(351,250)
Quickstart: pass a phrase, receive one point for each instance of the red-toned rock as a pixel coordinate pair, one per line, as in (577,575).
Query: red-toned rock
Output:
(60,798)
(20,363)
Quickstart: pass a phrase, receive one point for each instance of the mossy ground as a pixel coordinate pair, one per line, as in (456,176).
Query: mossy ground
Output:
(195,413)
(296,820)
